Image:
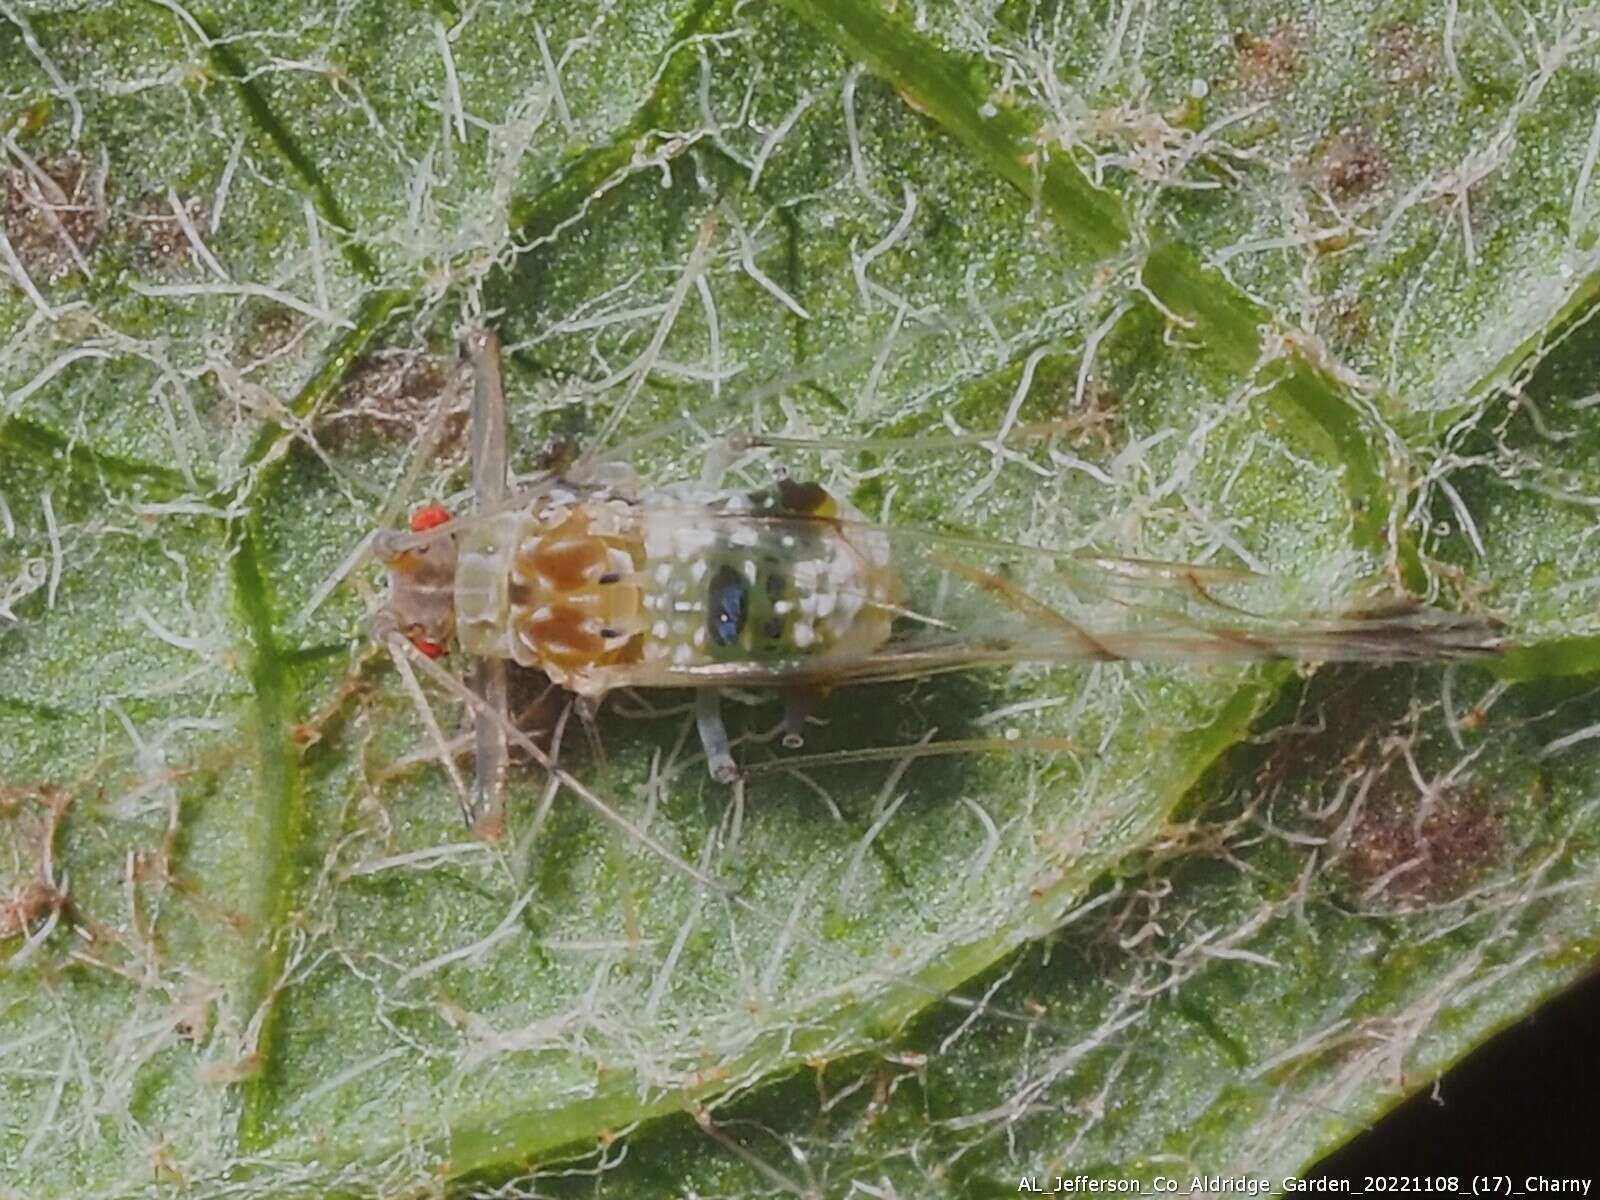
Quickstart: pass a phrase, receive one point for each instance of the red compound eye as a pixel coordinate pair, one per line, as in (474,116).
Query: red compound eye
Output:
(429,516)
(431,649)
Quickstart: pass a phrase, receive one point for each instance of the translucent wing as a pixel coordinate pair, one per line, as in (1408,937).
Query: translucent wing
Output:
(967,602)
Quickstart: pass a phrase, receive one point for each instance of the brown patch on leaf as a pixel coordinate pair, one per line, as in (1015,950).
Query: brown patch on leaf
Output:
(1096,420)
(1344,321)
(1352,165)
(1267,62)
(28,890)
(1387,837)
(54,215)
(269,327)
(26,905)
(1422,852)
(159,239)
(1404,54)
(395,397)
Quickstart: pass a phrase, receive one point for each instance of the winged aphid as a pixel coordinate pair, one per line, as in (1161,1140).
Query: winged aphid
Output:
(602,584)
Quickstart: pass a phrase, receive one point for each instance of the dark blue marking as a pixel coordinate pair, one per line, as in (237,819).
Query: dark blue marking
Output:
(727,606)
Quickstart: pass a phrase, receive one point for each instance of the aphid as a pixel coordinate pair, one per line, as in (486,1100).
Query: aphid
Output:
(600,584)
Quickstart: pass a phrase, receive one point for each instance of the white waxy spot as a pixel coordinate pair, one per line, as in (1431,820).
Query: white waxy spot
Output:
(804,635)
(784,607)
(808,606)
(681,654)
(664,574)
(700,637)
(1199,89)
(826,602)
(750,569)
(788,541)
(698,571)
(685,606)
(745,535)
(659,630)
(690,543)
(680,628)
(654,652)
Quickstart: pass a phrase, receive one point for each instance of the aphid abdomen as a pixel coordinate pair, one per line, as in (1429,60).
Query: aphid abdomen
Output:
(781,575)
(571,591)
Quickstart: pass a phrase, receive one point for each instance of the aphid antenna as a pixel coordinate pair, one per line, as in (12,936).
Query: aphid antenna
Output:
(357,556)
(404,488)
(394,501)
(408,680)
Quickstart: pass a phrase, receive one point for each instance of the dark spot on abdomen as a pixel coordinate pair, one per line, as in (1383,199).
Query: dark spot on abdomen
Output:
(727,606)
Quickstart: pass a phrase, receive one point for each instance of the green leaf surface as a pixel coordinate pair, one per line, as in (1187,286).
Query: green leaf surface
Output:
(1308,287)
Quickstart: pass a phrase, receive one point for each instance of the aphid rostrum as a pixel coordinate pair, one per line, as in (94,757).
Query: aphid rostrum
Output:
(601,584)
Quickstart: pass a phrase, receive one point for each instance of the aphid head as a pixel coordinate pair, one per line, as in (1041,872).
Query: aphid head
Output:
(422,574)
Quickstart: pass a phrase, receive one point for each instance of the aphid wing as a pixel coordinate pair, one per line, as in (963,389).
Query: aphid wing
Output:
(1016,603)
(956,602)
(966,601)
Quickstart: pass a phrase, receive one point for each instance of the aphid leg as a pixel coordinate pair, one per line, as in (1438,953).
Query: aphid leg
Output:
(608,812)
(488,488)
(714,736)
(589,716)
(798,704)
(491,758)
(488,420)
